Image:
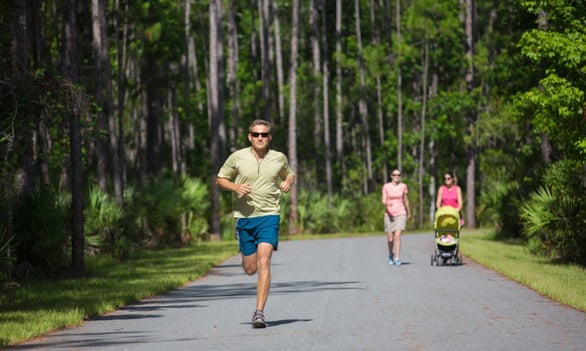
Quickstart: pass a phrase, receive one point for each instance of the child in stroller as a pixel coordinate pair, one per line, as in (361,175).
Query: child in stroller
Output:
(447,237)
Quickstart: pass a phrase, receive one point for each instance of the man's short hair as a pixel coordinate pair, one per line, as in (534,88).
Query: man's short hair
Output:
(259,122)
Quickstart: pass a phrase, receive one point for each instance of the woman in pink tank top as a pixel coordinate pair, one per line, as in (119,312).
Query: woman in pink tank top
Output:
(397,213)
(450,194)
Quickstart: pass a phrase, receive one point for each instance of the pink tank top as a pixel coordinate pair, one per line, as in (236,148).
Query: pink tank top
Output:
(450,196)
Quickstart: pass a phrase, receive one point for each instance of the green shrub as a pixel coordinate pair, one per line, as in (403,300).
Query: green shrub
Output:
(320,215)
(554,216)
(171,211)
(156,211)
(7,254)
(41,226)
(195,209)
(500,203)
(370,212)
(104,226)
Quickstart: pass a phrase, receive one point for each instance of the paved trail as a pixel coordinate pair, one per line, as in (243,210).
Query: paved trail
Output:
(339,295)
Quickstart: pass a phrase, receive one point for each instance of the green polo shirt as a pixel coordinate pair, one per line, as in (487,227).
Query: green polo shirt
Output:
(264,176)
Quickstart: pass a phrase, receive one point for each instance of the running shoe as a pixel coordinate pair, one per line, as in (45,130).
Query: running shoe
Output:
(398,262)
(258,320)
(391,261)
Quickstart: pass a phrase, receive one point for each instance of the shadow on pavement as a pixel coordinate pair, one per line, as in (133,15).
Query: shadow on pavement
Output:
(185,297)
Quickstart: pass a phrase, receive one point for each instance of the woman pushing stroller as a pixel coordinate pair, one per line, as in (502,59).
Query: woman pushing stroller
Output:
(450,194)
(448,222)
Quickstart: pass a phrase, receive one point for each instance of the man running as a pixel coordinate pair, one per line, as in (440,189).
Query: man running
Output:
(257,175)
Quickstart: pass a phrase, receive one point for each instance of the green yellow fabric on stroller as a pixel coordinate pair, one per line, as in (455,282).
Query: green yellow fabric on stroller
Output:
(447,237)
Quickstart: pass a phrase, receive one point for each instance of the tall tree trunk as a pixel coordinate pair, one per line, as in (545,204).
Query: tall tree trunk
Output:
(20,51)
(193,81)
(471,150)
(316,67)
(121,30)
(424,98)
(379,98)
(546,148)
(101,58)
(150,147)
(326,104)
(42,132)
(265,22)
(216,110)
(399,86)
(141,152)
(69,57)
(316,90)
(279,61)
(432,157)
(174,130)
(293,216)
(232,74)
(368,181)
(381,126)
(339,106)
(151,114)
(108,148)
(186,145)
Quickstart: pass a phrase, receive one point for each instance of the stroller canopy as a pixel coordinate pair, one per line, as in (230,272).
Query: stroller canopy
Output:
(447,218)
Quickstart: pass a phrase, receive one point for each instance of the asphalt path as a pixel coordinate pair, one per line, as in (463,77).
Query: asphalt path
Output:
(338,294)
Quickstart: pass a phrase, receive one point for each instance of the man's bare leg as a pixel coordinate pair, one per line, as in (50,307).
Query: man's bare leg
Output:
(260,262)
(249,264)
(263,285)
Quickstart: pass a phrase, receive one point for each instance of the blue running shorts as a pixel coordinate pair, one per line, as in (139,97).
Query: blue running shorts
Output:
(255,230)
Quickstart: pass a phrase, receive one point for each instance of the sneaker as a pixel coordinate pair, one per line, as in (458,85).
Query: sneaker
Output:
(258,320)
(398,262)
(391,261)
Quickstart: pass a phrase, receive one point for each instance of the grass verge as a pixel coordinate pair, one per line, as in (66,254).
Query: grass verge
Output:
(41,306)
(565,283)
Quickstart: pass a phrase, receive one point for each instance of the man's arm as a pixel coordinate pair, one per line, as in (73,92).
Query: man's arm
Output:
(287,183)
(228,185)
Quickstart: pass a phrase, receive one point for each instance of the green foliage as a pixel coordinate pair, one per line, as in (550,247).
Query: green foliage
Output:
(541,71)
(554,216)
(156,209)
(499,207)
(196,206)
(369,214)
(556,108)
(449,111)
(42,223)
(103,226)
(171,211)
(7,254)
(320,215)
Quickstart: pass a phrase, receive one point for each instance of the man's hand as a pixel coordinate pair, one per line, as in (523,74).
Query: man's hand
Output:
(285,186)
(243,189)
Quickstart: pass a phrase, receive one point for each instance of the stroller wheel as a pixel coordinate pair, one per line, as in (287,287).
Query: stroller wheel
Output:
(431,263)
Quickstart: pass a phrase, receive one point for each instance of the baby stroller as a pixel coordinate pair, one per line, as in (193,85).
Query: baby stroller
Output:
(447,237)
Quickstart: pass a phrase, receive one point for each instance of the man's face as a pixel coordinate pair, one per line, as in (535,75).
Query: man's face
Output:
(260,136)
